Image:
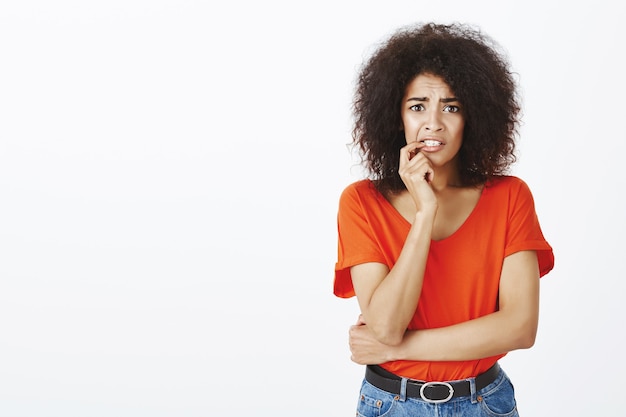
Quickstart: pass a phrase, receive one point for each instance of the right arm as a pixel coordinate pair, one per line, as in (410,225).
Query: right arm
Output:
(388,298)
(512,326)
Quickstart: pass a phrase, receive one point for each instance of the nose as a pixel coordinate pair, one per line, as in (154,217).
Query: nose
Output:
(433,123)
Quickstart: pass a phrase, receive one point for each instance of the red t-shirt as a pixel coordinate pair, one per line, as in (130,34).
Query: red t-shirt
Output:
(462,274)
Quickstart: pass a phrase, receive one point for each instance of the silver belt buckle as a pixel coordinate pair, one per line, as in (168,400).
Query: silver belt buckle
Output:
(428,400)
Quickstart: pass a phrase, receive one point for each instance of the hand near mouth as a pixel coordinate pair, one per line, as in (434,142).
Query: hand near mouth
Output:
(417,173)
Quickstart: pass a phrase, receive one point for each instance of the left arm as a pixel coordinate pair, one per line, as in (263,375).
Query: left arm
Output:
(513,326)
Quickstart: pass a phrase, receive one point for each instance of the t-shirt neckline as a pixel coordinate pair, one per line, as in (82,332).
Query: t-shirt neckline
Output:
(467,220)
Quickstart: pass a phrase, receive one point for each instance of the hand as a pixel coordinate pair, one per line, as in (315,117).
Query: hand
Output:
(417,173)
(365,349)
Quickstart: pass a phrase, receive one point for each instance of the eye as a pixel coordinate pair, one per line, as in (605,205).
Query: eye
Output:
(417,107)
(452,109)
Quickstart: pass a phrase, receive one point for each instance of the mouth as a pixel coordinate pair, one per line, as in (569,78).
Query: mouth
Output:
(432,142)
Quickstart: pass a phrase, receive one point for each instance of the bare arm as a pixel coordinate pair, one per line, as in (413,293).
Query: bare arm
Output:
(388,298)
(513,326)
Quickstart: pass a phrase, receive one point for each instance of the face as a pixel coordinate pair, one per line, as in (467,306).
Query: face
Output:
(431,114)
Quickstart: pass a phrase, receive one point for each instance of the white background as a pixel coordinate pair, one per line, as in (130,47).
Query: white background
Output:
(169,176)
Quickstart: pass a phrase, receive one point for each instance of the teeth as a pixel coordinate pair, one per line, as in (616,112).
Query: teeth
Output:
(430,142)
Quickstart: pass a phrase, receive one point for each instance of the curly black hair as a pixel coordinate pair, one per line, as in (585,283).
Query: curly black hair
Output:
(476,70)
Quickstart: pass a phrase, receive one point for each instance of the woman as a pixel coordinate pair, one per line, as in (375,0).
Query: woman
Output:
(441,247)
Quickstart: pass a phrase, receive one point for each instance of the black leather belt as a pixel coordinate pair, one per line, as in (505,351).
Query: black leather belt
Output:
(434,392)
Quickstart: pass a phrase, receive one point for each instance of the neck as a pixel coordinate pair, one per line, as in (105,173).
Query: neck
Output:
(445,178)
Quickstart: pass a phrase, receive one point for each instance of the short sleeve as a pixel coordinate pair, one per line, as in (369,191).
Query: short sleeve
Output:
(357,241)
(524,231)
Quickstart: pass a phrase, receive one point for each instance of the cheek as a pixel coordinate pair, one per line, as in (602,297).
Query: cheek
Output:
(410,124)
(410,133)
(459,128)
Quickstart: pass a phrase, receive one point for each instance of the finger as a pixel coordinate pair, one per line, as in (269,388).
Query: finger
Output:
(418,168)
(426,170)
(410,150)
(430,174)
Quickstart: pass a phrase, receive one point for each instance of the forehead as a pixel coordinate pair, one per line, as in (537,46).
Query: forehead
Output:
(429,83)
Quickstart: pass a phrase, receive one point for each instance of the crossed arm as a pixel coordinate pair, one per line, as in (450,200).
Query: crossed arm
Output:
(513,326)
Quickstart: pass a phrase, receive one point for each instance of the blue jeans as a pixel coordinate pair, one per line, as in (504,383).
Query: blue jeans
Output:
(495,400)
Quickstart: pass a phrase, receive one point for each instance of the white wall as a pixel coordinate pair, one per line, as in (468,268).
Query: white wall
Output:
(169,175)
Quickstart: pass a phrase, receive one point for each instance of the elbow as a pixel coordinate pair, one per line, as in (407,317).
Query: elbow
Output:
(526,336)
(386,331)
(526,341)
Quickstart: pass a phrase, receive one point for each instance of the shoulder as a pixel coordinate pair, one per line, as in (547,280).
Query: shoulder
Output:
(360,186)
(359,190)
(512,192)
(359,198)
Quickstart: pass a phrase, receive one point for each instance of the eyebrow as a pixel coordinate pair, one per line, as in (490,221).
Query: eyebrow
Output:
(443,100)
